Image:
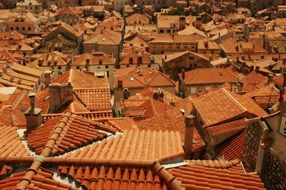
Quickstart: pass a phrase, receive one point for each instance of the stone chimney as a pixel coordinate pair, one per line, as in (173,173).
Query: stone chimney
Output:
(270,78)
(47,77)
(188,141)
(60,95)
(33,115)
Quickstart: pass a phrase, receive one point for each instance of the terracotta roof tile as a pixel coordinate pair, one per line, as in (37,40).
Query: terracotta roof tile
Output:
(41,180)
(231,148)
(12,117)
(145,77)
(82,80)
(267,95)
(254,81)
(158,145)
(5,170)
(172,119)
(94,99)
(200,177)
(96,58)
(11,144)
(215,75)
(76,132)
(222,164)
(221,105)
(220,133)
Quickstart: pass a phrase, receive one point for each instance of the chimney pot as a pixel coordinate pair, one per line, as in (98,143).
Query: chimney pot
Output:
(32,97)
(188,141)
(33,115)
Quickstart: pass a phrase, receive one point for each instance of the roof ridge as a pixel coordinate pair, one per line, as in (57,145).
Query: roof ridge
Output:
(55,135)
(171,181)
(215,163)
(234,100)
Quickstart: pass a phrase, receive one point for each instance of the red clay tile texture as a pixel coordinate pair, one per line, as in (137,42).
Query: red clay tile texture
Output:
(105,177)
(200,177)
(11,144)
(94,99)
(77,132)
(221,105)
(137,145)
(231,148)
(41,180)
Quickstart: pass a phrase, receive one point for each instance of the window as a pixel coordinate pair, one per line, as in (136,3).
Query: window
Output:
(17,28)
(106,66)
(29,28)
(59,67)
(23,28)
(11,28)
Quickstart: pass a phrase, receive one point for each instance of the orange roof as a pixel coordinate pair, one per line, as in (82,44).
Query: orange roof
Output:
(215,75)
(81,80)
(75,132)
(141,78)
(254,81)
(12,117)
(231,148)
(96,58)
(133,54)
(129,146)
(200,177)
(220,105)
(94,99)
(131,176)
(11,145)
(171,120)
(42,179)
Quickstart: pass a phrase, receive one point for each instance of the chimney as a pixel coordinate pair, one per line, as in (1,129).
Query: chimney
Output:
(87,62)
(270,78)
(120,84)
(125,93)
(188,141)
(47,77)
(40,62)
(60,95)
(257,68)
(33,115)
(206,44)
(183,74)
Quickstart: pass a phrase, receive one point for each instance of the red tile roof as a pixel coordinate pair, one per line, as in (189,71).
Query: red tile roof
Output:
(254,81)
(81,80)
(172,119)
(5,170)
(215,75)
(137,145)
(41,180)
(267,95)
(94,59)
(105,177)
(12,117)
(73,132)
(222,164)
(11,145)
(200,177)
(220,105)
(220,133)
(94,99)
(231,148)
(141,78)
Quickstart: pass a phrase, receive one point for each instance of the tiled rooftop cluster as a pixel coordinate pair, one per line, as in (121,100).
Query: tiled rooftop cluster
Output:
(166,95)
